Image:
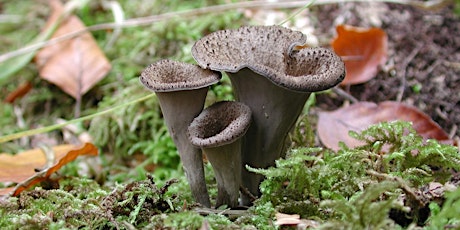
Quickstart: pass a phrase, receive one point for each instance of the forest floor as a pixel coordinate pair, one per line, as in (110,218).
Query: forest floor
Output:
(422,70)
(423,67)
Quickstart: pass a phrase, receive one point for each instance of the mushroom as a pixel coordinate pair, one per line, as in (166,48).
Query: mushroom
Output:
(181,89)
(274,74)
(218,131)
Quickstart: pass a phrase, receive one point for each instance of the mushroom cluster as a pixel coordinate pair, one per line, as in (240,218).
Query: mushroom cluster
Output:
(272,75)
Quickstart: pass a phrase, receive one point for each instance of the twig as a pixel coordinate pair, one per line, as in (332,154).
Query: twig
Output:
(50,157)
(452,132)
(402,184)
(406,63)
(245,191)
(227,212)
(344,94)
(312,2)
(119,17)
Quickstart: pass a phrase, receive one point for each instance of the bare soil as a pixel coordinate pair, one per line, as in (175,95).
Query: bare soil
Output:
(423,67)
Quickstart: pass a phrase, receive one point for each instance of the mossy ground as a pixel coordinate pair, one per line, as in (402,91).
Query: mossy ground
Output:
(137,181)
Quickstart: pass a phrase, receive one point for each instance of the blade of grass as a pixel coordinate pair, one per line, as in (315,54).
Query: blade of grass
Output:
(58,126)
(311,3)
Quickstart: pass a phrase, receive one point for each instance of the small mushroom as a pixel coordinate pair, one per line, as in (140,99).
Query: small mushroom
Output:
(274,74)
(218,131)
(181,89)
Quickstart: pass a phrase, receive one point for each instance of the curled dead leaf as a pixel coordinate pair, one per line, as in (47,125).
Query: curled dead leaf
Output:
(21,168)
(334,126)
(362,51)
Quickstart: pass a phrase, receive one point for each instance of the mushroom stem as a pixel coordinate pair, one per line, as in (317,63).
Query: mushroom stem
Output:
(177,123)
(226,163)
(218,131)
(273,115)
(181,89)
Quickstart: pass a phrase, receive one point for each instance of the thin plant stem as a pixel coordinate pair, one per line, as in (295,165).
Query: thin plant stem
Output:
(312,2)
(58,126)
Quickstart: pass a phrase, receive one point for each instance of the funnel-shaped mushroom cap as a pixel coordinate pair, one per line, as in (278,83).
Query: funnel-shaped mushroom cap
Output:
(220,124)
(271,51)
(218,131)
(167,75)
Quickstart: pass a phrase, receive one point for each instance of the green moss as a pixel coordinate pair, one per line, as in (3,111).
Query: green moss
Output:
(448,214)
(354,182)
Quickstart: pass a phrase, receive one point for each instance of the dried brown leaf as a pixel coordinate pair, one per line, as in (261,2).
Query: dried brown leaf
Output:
(362,50)
(334,126)
(74,65)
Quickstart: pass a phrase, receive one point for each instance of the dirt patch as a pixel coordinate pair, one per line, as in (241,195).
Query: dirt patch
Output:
(423,67)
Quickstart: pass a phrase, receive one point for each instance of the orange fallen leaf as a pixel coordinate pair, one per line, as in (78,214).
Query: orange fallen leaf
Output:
(22,90)
(74,65)
(362,50)
(21,168)
(334,126)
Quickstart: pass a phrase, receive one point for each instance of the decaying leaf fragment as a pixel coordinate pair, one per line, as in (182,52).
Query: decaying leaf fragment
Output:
(74,65)
(362,50)
(294,221)
(22,168)
(334,126)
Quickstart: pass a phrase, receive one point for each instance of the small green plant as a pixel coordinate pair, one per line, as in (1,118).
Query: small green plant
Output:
(446,216)
(365,210)
(417,88)
(395,148)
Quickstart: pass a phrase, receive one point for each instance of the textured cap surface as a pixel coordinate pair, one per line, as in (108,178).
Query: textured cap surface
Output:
(271,51)
(220,124)
(167,75)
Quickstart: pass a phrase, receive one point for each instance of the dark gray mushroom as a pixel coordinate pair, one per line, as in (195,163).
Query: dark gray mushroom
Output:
(218,131)
(273,74)
(181,89)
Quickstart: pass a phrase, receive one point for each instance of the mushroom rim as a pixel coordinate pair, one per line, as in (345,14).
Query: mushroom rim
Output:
(208,77)
(272,77)
(324,80)
(237,127)
(169,88)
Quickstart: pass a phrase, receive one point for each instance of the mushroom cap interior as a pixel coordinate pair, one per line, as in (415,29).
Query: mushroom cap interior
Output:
(267,50)
(219,124)
(168,75)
